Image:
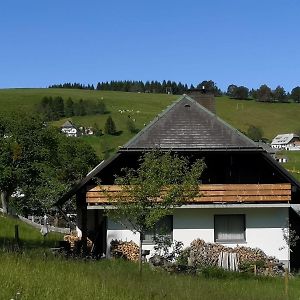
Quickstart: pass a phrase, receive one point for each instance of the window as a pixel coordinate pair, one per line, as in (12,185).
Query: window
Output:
(162,227)
(230,228)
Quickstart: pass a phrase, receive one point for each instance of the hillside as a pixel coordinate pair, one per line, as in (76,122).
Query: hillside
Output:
(30,237)
(273,118)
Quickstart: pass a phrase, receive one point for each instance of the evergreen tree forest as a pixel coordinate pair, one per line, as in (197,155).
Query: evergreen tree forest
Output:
(262,94)
(56,108)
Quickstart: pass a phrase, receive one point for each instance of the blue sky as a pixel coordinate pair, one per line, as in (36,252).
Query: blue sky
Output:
(245,42)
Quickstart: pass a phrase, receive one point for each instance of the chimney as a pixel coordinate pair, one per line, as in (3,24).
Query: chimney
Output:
(204,98)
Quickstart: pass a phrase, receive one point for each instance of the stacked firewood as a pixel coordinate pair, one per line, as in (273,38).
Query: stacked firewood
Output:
(73,239)
(127,250)
(205,254)
(247,254)
(208,255)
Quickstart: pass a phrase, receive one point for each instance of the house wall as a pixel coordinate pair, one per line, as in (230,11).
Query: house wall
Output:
(263,228)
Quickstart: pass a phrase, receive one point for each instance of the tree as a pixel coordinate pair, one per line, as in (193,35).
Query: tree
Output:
(254,133)
(131,126)
(279,94)
(241,92)
(161,182)
(295,94)
(39,162)
(110,127)
(100,107)
(264,94)
(231,90)
(69,110)
(210,86)
(58,107)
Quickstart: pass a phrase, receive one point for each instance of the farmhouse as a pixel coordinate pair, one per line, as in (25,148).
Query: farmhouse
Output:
(69,129)
(246,197)
(288,141)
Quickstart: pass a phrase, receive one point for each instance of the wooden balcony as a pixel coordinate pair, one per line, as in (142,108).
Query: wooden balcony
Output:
(209,193)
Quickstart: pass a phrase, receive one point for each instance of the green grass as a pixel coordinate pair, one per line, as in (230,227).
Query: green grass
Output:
(35,273)
(148,105)
(30,237)
(293,164)
(273,118)
(57,278)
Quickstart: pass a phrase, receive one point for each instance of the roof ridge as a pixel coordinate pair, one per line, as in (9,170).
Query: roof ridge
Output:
(232,133)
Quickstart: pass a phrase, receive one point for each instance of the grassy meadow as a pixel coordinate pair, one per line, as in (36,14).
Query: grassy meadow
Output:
(35,273)
(273,118)
(293,164)
(58,278)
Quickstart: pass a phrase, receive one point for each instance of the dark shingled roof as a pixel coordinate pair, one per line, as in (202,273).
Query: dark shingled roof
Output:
(188,125)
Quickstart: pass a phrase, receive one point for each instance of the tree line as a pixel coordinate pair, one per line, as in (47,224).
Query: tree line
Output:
(75,85)
(262,94)
(164,87)
(55,108)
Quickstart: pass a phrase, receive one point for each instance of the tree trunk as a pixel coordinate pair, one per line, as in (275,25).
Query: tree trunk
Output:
(140,253)
(4,201)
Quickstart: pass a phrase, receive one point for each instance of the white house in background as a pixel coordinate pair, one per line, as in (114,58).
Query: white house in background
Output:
(288,141)
(69,129)
(246,198)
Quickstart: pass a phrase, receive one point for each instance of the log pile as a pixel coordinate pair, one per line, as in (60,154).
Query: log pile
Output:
(73,239)
(127,250)
(207,255)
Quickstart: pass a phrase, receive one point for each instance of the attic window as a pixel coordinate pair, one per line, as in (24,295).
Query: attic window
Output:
(187,105)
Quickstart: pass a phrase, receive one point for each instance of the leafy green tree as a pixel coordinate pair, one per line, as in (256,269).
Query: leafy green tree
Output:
(255,133)
(39,162)
(169,178)
(110,126)
(295,94)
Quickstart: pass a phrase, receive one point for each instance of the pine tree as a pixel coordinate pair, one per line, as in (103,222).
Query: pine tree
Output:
(110,126)
(69,109)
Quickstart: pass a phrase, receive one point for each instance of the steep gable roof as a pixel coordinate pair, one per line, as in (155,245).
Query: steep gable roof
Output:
(68,124)
(188,125)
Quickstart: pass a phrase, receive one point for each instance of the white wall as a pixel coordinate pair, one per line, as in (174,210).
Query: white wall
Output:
(263,228)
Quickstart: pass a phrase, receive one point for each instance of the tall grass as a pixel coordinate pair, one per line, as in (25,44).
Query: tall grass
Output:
(56,278)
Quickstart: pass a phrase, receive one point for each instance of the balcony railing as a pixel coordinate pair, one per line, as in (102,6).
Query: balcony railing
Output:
(208,193)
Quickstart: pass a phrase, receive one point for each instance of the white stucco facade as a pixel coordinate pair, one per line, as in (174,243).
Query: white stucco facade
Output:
(263,228)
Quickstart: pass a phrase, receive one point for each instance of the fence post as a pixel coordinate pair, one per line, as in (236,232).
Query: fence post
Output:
(17,238)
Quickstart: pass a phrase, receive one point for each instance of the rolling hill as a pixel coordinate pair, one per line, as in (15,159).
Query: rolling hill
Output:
(273,118)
